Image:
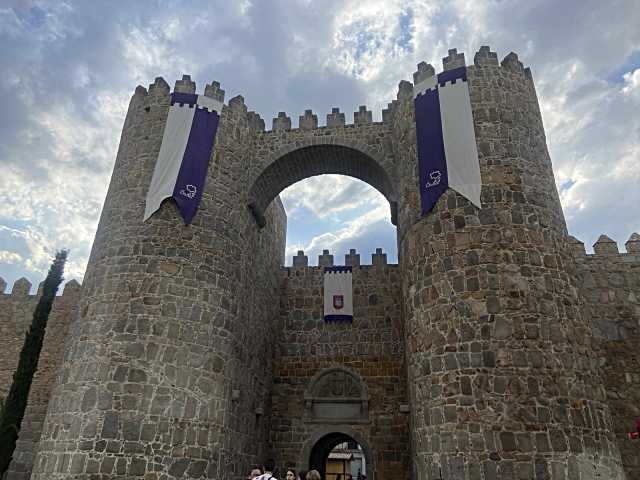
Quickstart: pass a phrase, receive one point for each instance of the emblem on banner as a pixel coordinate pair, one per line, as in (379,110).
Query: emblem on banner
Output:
(338,301)
(435,179)
(191,191)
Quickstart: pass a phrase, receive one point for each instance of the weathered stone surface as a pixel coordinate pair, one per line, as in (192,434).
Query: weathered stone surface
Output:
(372,347)
(352,259)
(16,313)
(326,259)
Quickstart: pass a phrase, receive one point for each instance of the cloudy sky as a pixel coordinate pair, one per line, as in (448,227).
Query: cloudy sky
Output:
(69,68)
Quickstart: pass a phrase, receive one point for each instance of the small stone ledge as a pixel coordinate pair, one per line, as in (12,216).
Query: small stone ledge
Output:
(605,246)
(485,57)
(237,104)
(186,85)
(335,118)
(362,116)
(326,259)
(308,121)
(214,91)
(511,62)
(453,60)
(352,259)
(379,259)
(576,246)
(21,287)
(141,91)
(159,86)
(425,70)
(300,260)
(281,122)
(633,244)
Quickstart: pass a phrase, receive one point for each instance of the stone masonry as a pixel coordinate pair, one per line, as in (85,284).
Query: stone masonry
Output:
(372,346)
(16,314)
(495,349)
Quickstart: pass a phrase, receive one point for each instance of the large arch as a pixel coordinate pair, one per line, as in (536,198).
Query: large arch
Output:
(317,157)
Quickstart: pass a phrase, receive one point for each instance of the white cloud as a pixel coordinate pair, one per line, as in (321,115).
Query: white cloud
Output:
(328,195)
(9,257)
(375,222)
(632,83)
(69,69)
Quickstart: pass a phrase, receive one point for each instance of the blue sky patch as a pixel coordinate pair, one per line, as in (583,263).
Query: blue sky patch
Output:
(566,185)
(630,64)
(405,24)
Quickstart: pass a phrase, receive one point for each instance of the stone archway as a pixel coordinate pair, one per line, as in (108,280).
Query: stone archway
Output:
(323,440)
(318,156)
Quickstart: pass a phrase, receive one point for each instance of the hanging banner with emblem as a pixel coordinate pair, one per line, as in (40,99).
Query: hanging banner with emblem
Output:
(446,142)
(183,161)
(338,294)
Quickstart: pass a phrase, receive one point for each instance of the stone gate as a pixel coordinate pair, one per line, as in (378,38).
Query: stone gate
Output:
(194,352)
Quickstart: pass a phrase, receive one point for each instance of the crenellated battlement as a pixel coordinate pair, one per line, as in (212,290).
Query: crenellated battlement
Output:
(22,288)
(309,121)
(351,259)
(483,58)
(606,247)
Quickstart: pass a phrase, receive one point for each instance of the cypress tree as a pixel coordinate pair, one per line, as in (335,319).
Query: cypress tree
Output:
(16,401)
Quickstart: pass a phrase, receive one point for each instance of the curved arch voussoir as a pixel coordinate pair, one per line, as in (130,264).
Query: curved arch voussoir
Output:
(319,155)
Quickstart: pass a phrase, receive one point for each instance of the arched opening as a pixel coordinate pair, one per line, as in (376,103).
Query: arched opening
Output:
(341,214)
(311,160)
(337,455)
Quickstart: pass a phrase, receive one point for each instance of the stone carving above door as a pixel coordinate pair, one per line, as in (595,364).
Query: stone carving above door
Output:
(337,395)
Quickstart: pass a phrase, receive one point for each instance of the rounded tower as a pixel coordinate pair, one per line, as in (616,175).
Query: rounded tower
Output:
(169,358)
(502,376)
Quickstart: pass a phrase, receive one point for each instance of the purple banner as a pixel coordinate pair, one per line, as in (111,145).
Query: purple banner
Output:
(452,75)
(432,159)
(195,163)
(180,98)
(432,164)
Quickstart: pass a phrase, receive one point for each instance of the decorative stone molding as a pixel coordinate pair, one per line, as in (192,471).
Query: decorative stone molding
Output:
(337,395)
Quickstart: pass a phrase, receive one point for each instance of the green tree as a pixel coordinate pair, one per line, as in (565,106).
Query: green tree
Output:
(16,401)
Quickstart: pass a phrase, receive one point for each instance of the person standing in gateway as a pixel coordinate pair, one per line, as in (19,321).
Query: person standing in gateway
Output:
(269,467)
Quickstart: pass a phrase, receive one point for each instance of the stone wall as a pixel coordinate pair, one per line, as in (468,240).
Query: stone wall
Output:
(284,156)
(16,314)
(610,284)
(372,346)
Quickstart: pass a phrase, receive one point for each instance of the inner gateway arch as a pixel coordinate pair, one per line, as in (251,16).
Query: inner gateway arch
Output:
(196,354)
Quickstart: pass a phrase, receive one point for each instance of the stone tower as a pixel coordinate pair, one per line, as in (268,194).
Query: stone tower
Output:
(168,372)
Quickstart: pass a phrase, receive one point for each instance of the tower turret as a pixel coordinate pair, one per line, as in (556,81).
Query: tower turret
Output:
(172,316)
(502,377)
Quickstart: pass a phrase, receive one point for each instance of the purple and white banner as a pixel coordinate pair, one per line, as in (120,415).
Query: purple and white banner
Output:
(181,168)
(338,294)
(446,142)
